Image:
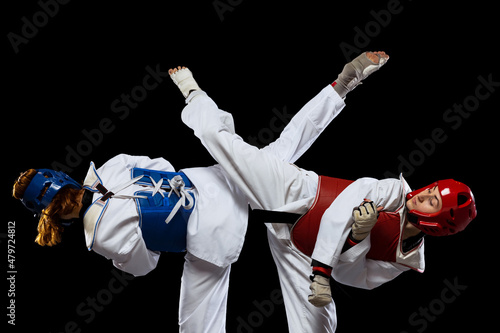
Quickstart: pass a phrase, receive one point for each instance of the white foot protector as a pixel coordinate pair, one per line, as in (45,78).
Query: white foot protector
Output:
(183,78)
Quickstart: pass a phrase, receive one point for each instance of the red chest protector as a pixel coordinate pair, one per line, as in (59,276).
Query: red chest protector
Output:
(384,235)
(305,231)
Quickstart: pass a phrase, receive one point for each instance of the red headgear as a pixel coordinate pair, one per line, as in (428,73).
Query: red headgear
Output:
(459,208)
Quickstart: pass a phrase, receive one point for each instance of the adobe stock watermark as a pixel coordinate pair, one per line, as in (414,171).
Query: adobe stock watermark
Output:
(31,26)
(121,108)
(224,6)
(363,36)
(263,309)
(268,134)
(453,117)
(425,315)
(88,309)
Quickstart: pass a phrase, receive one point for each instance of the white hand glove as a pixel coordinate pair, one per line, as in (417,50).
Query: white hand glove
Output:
(365,217)
(321,292)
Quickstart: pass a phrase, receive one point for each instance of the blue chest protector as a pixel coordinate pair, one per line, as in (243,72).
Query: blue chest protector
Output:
(161,231)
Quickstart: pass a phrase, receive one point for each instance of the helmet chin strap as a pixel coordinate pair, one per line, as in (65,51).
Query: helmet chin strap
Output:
(412,218)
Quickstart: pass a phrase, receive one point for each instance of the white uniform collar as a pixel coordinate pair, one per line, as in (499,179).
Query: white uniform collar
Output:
(406,187)
(92,179)
(413,259)
(95,211)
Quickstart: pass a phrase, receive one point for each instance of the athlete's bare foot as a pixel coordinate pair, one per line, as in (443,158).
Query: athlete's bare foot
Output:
(375,56)
(174,70)
(183,78)
(358,70)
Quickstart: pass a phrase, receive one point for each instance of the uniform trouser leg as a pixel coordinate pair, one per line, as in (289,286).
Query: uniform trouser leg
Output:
(265,175)
(203,298)
(264,179)
(293,268)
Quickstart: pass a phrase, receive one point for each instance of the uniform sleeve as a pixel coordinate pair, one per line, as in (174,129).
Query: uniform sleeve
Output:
(136,260)
(387,193)
(353,269)
(125,246)
(337,220)
(306,126)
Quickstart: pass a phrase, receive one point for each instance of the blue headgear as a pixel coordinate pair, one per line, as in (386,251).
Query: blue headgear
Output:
(53,181)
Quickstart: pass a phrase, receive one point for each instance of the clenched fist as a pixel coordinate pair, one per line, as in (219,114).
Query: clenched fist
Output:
(321,292)
(365,217)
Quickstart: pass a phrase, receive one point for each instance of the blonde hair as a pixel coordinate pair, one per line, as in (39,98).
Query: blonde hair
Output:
(64,202)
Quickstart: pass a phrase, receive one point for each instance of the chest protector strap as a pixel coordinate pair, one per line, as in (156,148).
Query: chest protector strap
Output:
(164,211)
(305,231)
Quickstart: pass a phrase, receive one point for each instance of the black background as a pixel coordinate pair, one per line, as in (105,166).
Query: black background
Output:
(252,59)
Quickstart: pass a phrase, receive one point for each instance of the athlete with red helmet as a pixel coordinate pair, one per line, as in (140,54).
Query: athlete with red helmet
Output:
(396,235)
(362,245)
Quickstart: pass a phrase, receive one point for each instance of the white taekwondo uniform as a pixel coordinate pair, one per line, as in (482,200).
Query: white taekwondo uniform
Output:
(271,183)
(217,225)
